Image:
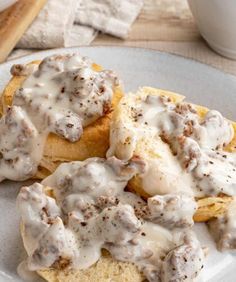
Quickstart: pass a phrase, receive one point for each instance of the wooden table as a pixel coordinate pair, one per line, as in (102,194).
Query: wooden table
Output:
(168,25)
(161,27)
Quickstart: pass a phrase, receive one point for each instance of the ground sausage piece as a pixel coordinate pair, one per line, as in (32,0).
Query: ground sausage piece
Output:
(183,263)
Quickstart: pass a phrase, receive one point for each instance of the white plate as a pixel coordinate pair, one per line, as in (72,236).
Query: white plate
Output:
(136,67)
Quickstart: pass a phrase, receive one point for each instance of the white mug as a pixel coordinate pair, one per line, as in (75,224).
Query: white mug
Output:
(216,20)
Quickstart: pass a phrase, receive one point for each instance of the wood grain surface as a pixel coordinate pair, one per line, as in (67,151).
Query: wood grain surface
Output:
(168,25)
(14,21)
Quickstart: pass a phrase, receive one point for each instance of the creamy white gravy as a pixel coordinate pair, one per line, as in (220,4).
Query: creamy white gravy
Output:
(24,272)
(187,153)
(188,149)
(223,228)
(61,95)
(91,211)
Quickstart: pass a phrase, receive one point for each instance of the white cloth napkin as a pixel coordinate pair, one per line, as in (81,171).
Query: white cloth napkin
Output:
(109,16)
(54,27)
(64,23)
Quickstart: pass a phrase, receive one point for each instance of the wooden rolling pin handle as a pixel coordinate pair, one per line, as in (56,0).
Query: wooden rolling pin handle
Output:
(14,21)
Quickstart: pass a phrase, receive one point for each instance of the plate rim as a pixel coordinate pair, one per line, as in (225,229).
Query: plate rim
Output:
(151,50)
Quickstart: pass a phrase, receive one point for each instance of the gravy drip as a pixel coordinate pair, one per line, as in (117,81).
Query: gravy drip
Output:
(223,228)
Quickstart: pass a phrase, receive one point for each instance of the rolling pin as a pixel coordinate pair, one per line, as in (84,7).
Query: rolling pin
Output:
(14,21)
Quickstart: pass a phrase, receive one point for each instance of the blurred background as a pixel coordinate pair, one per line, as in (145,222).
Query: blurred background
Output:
(165,25)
